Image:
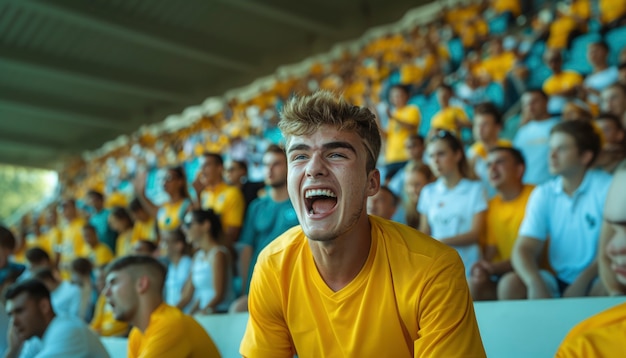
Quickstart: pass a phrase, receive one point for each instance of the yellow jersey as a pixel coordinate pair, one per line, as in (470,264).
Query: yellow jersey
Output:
(563,81)
(226,201)
(397,133)
(448,118)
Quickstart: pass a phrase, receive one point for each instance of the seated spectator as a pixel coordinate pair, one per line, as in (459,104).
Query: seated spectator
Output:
(225,200)
(123,224)
(64,295)
(496,66)
(404,120)
(104,322)
(415,148)
(236,174)
(561,85)
(267,218)
(612,14)
(416,179)
(37,259)
(134,288)
(9,271)
(170,214)
(72,241)
(99,218)
(97,252)
(576,110)
(144,247)
(570,22)
(613,154)
(383,204)
(602,74)
(504,215)
(82,277)
(486,128)
(613,101)
(449,118)
(568,210)
(33,315)
(174,245)
(603,335)
(532,138)
(209,289)
(144,226)
(458,223)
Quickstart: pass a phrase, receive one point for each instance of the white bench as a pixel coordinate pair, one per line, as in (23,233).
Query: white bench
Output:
(511,329)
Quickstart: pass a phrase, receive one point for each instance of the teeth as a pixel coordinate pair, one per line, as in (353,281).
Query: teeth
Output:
(319,192)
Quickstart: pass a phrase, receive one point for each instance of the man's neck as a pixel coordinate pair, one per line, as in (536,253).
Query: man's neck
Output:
(339,261)
(600,67)
(214,184)
(490,143)
(511,192)
(572,182)
(145,310)
(47,320)
(279,194)
(175,259)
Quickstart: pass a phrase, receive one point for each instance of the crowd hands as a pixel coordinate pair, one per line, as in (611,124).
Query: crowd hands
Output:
(538,214)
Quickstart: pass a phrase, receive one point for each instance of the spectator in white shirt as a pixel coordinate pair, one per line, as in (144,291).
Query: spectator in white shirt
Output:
(602,74)
(174,245)
(65,296)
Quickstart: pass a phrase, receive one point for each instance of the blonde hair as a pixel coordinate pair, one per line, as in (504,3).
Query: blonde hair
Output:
(305,114)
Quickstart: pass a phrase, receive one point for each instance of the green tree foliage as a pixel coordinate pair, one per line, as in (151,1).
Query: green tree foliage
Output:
(21,189)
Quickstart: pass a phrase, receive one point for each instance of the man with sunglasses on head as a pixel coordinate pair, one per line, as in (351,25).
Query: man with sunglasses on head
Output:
(344,283)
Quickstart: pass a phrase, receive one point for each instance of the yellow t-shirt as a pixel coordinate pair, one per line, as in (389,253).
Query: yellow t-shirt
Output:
(478,149)
(144,230)
(497,67)
(410,299)
(227,201)
(53,238)
(124,243)
(170,215)
(501,6)
(447,119)
(397,134)
(503,221)
(611,10)
(100,255)
(72,244)
(559,32)
(103,321)
(602,335)
(171,333)
(564,81)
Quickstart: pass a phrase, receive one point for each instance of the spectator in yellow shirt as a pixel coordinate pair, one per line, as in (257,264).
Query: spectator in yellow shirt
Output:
(604,334)
(497,65)
(72,242)
(122,223)
(344,283)
(561,85)
(98,253)
(144,226)
(449,118)
(134,289)
(103,322)
(505,213)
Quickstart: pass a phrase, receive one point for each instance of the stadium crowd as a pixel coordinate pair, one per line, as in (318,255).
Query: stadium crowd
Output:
(503,139)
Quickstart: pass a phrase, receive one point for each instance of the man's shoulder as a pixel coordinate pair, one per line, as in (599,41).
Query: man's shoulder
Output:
(63,325)
(283,246)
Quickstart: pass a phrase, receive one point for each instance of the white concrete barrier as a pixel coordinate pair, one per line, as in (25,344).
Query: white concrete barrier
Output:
(509,329)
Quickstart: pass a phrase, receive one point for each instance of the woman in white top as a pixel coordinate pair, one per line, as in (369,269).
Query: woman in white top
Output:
(209,288)
(452,209)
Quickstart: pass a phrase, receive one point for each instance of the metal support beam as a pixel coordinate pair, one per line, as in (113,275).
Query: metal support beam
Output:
(88,15)
(283,16)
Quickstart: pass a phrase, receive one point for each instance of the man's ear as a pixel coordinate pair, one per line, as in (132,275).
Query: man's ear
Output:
(143,283)
(587,157)
(373,182)
(44,306)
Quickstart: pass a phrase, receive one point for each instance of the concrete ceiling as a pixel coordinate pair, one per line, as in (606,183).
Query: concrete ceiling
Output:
(75,73)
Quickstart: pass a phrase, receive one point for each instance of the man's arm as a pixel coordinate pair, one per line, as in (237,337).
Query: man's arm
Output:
(525,261)
(470,237)
(445,313)
(581,285)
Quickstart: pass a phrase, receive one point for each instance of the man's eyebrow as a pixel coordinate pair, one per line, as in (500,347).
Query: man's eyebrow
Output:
(326,146)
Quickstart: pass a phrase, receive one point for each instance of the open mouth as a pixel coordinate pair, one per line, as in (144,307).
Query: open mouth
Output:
(319,201)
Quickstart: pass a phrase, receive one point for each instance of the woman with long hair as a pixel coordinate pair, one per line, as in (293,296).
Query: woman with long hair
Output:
(210,285)
(452,209)
(122,223)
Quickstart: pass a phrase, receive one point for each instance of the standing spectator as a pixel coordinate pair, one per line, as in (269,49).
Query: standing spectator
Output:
(568,210)
(404,120)
(33,315)
(455,222)
(225,200)
(99,218)
(504,216)
(532,138)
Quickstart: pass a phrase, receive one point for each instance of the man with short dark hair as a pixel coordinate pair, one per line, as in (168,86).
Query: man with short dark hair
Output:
(32,315)
(99,218)
(613,154)
(9,271)
(383,204)
(64,295)
(134,289)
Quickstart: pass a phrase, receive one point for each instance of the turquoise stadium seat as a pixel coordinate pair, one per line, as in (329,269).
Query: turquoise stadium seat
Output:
(496,94)
(499,25)
(616,39)
(577,56)
(457,53)
(537,76)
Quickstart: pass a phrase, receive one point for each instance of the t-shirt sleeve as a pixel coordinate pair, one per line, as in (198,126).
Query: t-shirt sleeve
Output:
(447,322)
(267,334)
(164,338)
(68,341)
(234,208)
(424,201)
(536,218)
